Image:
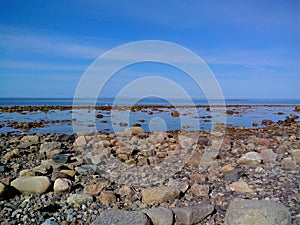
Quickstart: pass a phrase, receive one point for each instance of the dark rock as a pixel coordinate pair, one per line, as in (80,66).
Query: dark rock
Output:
(121,217)
(60,158)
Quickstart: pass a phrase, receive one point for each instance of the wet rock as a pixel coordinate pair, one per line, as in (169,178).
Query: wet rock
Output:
(107,197)
(62,186)
(157,195)
(288,164)
(95,189)
(160,216)
(123,124)
(79,198)
(297,109)
(192,214)
(133,130)
(256,212)
(250,158)
(121,217)
(240,186)
(175,114)
(31,185)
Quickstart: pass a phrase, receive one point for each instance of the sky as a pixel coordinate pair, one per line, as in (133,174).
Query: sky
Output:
(251,47)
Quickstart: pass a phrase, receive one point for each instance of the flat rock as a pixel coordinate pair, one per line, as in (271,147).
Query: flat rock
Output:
(31,185)
(62,185)
(192,214)
(256,212)
(49,146)
(288,164)
(157,195)
(30,138)
(240,186)
(250,158)
(160,216)
(60,158)
(121,217)
(79,198)
(268,155)
(95,189)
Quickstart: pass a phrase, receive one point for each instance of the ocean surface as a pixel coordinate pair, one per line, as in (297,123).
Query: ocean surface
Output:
(248,112)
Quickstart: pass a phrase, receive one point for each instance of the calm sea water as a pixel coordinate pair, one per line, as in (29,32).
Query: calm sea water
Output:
(145,101)
(190,119)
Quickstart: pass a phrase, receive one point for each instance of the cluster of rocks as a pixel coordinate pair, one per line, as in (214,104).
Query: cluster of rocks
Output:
(29,125)
(133,177)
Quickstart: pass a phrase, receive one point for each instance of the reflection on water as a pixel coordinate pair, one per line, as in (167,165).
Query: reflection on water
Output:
(149,120)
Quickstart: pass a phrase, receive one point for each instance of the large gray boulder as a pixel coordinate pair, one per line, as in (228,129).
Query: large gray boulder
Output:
(121,217)
(256,212)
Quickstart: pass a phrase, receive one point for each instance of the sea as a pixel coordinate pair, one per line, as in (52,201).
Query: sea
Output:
(249,111)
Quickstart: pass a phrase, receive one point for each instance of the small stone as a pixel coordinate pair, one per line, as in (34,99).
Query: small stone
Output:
(62,186)
(107,197)
(80,142)
(192,214)
(121,217)
(157,195)
(175,114)
(268,155)
(256,212)
(200,190)
(250,158)
(123,124)
(79,198)
(60,158)
(95,189)
(2,189)
(288,164)
(227,168)
(31,185)
(160,216)
(3,168)
(133,130)
(240,186)
(250,147)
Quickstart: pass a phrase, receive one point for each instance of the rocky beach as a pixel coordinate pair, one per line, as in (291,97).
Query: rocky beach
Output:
(240,176)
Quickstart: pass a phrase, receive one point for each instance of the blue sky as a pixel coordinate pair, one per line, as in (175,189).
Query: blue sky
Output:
(252,47)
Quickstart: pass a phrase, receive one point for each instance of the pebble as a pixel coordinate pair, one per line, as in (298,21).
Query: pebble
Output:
(31,185)
(62,186)
(256,212)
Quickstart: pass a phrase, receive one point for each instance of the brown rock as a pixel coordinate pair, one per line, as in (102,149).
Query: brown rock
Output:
(95,189)
(288,164)
(56,175)
(175,113)
(200,190)
(157,195)
(240,186)
(107,197)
